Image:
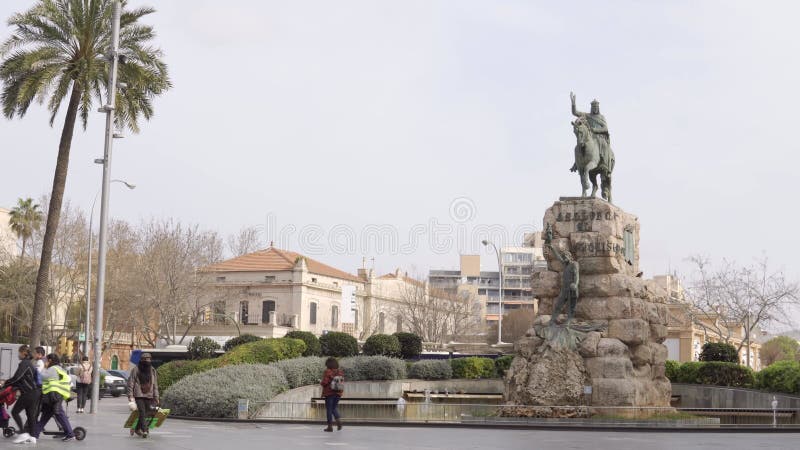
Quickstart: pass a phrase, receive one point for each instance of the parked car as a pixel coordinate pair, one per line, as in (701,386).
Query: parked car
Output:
(112,385)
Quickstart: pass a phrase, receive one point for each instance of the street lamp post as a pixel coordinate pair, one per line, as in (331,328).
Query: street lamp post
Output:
(86,320)
(500,315)
(108,109)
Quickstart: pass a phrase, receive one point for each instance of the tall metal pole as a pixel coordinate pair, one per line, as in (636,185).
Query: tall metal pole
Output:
(111,97)
(87,321)
(500,315)
(88,287)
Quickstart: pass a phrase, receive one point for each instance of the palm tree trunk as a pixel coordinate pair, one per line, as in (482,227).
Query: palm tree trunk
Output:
(53,216)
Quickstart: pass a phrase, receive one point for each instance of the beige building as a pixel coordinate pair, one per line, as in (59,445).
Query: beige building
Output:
(8,240)
(689,329)
(271,292)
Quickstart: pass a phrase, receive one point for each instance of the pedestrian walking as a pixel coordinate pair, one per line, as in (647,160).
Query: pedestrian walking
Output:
(143,389)
(83,382)
(38,362)
(332,389)
(55,389)
(24,382)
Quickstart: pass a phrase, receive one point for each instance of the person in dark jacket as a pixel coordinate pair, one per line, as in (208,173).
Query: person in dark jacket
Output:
(143,388)
(332,389)
(24,381)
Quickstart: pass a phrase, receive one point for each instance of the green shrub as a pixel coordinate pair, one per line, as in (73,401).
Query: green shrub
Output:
(171,372)
(782,376)
(202,347)
(382,345)
(372,368)
(313,347)
(672,368)
(473,367)
(431,369)
(216,393)
(239,340)
(719,351)
(338,344)
(301,371)
(410,344)
(725,374)
(502,364)
(687,372)
(263,352)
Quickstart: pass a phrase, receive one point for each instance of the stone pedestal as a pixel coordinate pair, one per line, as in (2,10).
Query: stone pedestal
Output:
(623,360)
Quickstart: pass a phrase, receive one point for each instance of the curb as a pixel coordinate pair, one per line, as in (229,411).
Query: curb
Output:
(508,426)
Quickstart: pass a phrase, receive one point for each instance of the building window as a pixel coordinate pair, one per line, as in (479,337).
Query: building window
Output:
(334,316)
(312,317)
(244,307)
(399,324)
(336,283)
(269,278)
(267,306)
(220,279)
(381,322)
(355,320)
(313,280)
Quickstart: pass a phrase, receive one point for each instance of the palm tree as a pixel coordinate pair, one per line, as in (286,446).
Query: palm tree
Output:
(57,50)
(25,218)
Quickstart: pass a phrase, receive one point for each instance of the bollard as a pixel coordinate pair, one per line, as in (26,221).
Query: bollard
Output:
(774,412)
(244,406)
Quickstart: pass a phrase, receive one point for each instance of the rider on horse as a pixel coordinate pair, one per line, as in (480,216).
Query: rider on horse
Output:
(599,127)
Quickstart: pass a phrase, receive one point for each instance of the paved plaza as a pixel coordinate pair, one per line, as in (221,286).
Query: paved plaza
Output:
(106,432)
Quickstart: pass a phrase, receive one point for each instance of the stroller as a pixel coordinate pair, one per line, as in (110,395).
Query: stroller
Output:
(7,398)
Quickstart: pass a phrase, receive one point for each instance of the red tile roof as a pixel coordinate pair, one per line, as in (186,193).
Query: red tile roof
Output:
(276,260)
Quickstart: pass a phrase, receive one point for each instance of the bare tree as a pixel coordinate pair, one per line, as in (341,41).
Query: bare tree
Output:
(247,240)
(436,316)
(731,297)
(515,324)
(167,278)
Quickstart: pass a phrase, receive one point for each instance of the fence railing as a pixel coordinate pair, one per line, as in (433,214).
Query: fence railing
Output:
(387,410)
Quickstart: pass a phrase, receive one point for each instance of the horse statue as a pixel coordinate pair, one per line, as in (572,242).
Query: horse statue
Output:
(592,157)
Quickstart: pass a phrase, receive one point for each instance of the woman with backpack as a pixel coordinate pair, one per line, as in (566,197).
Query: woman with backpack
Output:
(84,380)
(332,388)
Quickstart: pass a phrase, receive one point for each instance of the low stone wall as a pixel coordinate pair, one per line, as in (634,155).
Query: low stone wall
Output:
(295,403)
(704,396)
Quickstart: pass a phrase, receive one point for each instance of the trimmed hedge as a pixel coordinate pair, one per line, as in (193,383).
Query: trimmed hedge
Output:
(502,364)
(382,345)
(216,393)
(202,348)
(671,370)
(338,344)
(473,367)
(301,371)
(173,371)
(431,369)
(782,376)
(410,344)
(232,343)
(372,368)
(714,373)
(263,351)
(313,347)
(719,351)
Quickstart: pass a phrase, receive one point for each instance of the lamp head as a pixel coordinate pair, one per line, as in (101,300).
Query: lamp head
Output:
(485,242)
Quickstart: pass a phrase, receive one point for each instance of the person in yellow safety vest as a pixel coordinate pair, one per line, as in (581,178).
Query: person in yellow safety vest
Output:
(55,389)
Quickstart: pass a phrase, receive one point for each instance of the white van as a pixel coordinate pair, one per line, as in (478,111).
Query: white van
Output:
(9,360)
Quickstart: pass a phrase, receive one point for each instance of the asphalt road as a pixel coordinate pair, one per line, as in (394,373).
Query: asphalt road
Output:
(105,432)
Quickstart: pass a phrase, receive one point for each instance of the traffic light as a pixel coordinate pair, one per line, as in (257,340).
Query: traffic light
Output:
(70,348)
(62,345)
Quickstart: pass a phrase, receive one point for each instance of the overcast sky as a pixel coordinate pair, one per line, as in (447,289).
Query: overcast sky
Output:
(444,118)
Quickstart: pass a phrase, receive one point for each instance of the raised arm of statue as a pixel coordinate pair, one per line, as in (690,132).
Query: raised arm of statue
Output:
(575,111)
